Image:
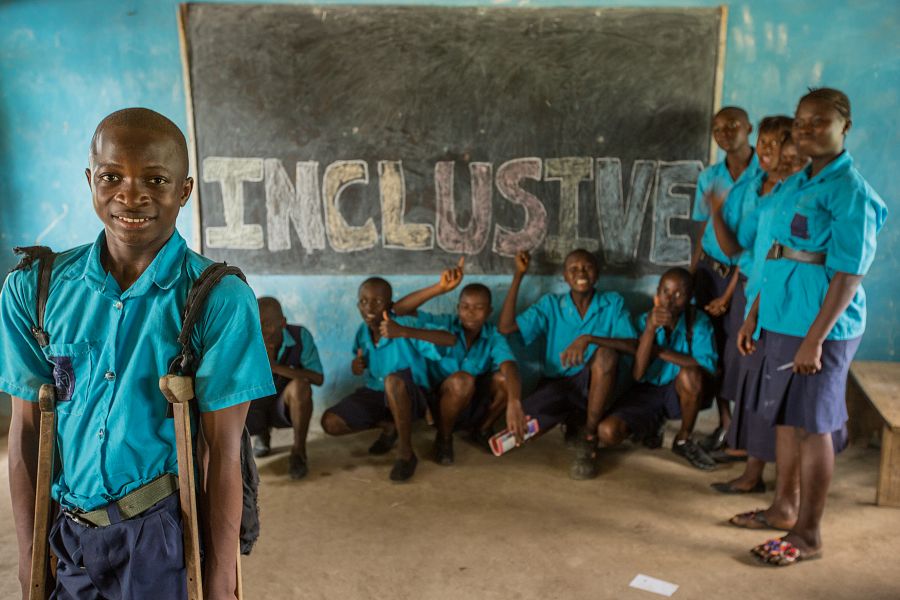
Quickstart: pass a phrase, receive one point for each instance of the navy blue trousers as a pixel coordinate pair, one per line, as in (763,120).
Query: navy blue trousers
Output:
(142,558)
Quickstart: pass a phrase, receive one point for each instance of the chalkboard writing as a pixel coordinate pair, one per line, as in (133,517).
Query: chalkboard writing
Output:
(394,139)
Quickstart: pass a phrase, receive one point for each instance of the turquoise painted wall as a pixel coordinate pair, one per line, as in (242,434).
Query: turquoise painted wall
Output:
(64,64)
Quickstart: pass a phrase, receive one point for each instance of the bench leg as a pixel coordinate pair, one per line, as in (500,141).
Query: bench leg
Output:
(889,471)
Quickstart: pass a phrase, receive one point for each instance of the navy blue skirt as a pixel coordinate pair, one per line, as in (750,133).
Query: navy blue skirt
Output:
(749,430)
(731,359)
(815,403)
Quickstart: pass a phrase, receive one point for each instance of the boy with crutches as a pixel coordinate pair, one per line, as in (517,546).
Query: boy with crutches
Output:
(113,314)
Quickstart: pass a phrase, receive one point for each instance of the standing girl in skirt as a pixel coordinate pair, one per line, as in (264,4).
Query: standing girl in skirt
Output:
(812,310)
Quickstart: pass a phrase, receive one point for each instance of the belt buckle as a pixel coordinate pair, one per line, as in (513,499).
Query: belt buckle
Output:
(75,518)
(777,251)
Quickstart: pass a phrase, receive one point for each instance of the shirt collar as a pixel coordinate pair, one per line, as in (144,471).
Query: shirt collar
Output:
(569,308)
(287,341)
(164,271)
(841,163)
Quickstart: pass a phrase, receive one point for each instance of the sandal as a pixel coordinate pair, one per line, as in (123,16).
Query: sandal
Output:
(755,519)
(725,487)
(781,553)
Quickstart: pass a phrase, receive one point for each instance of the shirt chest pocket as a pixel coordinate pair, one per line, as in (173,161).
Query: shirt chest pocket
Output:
(73,366)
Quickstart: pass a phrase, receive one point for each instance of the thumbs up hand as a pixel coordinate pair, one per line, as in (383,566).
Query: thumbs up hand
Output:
(451,278)
(390,328)
(358,366)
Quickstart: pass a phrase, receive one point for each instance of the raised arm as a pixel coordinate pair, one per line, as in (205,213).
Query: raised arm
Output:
(450,279)
(507,322)
(222,431)
(727,238)
(23,457)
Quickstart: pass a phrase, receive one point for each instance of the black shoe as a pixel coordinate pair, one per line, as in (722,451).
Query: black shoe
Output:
(482,439)
(720,456)
(261,445)
(585,464)
(714,441)
(443,450)
(297,468)
(694,454)
(724,487)
(571,431)
(654,440)
(383,444)
(404,469)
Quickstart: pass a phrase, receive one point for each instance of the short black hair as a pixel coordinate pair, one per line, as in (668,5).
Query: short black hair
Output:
(270,307)
(683,275)
(144,118)
(776,124)
(380,282)
(836,98)
(477,288)
(737,109)
(586,254)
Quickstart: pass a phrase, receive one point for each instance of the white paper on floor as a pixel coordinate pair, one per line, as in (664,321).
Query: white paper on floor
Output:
(651,584)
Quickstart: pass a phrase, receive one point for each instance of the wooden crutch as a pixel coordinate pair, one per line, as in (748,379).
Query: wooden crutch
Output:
(179,391)
(40,545)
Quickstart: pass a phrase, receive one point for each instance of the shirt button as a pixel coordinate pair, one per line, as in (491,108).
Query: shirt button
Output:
(100,434)
(118,305)
(110,375)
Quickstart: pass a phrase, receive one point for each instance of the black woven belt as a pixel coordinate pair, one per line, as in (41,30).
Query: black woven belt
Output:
(719,268)
(778,251)
(132,504)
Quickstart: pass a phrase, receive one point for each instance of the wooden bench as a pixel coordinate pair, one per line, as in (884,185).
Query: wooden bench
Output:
(876,385)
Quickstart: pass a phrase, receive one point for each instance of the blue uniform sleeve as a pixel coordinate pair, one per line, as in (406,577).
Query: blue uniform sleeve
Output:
(500,351)
(23,367)
(309,357)
(856,217)
(234,366)
(621,325)
(641,323)
(428,350)
(701,210)
(535,320)
(426,320)
(703,345)
(747,229)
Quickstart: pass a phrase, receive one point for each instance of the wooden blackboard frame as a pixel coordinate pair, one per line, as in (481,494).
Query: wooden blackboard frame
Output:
(182,17)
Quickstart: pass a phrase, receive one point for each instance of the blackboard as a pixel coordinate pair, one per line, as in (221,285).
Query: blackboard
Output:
(361,139)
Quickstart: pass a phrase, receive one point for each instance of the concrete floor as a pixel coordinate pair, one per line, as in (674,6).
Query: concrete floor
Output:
(518,527)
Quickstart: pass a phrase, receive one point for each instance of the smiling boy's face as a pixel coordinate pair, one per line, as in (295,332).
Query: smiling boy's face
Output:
(138,179)
(374,299)
(580,271)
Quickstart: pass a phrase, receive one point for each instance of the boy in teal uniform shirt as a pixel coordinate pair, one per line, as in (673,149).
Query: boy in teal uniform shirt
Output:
(390,351)
(476,376)
(113,319)
(585,331)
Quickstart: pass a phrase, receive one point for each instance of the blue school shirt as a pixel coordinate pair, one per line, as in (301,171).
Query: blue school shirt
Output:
(556,317)
(489,350)
(391,355)
(108,349)
(836,213)
(702,347)
(744,205)
(309,354)
(754,234)
(718,177)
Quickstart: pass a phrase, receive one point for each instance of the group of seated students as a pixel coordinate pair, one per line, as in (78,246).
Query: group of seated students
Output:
(768,317)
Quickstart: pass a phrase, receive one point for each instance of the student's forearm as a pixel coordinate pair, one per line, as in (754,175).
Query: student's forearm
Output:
(840,293)
(732,284)
(677,358)
(23,458)
(409,304)
(224,491)
(507,322)
(438,337)
(314,377)
(624,345)
(510,372)
(728,241)
(643,355)
(699,230)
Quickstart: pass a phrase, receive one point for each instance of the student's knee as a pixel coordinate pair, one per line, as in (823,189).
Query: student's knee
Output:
(689,382)
(604,361)
(459,385)
(333,424)
(394,386)
(611,431)
(298,390)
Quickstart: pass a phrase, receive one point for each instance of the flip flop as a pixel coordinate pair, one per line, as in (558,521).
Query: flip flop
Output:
(781,553)
(755,519)
(724,487)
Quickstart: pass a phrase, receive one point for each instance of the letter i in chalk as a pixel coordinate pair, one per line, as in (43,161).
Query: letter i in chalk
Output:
(506,440)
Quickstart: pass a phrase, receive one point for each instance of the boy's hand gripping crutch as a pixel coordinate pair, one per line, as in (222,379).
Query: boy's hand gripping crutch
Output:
(40,549)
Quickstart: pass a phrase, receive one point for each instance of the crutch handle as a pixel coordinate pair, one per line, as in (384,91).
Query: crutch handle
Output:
(40,544)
